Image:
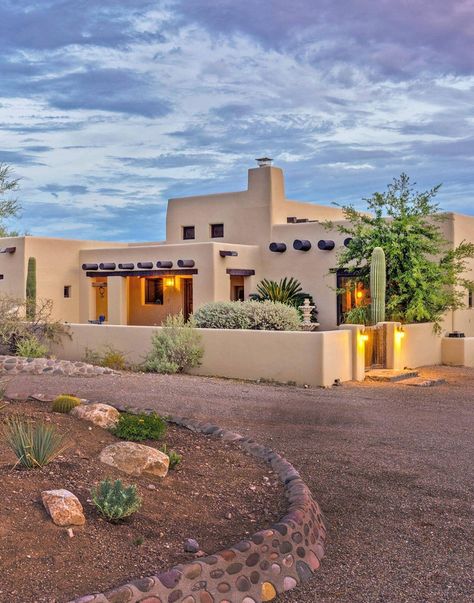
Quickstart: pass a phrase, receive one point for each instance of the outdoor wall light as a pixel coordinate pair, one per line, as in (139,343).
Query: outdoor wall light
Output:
(364,335)
(400,332)
(169,281)
(359,295)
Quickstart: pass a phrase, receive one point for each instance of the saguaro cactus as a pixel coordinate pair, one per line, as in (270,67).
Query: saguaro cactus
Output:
(31,289)
(377,285)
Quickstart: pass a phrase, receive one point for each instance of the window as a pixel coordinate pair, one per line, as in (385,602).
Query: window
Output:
(67,291)
(154,291)
(217,231)
(470,298)
(188,232)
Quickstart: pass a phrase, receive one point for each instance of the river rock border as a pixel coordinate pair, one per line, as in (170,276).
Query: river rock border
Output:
(254,570)
(14,365)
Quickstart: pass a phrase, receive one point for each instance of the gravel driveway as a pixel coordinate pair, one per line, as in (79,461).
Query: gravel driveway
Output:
(390,465)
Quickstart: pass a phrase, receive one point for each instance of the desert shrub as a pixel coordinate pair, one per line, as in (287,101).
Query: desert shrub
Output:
(30,347)
(34,444)
(137,428)
(14,328)
(264,315)
(174,458)
(65,403)
(176,348)
(114,500)
(287,291)
(110,357)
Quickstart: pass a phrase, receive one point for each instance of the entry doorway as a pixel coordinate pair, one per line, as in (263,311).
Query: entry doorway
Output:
(99,285)
(351,293)
(187,297)
(237,291)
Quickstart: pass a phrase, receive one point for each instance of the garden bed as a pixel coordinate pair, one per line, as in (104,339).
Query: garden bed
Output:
(218,495)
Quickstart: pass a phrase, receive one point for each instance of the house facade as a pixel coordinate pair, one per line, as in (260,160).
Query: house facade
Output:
(217,247)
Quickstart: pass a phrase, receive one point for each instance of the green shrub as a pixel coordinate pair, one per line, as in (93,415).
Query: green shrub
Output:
(174,458)
(176,348)
(34,444)
(358,315)
(256,315)
(114,500)
(137,428)
(110,357)
(65,403)
(31,347)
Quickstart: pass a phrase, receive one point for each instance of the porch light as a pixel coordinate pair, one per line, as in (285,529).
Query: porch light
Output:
(364,335)
(359,295)
(169,281)
(400,332)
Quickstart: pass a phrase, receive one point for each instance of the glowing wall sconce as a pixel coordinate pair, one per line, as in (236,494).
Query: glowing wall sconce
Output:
(400,333)
(169,281)
(359,295)
(363,335)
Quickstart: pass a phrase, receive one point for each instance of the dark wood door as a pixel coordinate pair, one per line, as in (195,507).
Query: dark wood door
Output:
(187,297)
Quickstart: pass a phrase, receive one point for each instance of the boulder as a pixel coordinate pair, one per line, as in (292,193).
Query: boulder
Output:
(102,415)
(135,459)
(64,507)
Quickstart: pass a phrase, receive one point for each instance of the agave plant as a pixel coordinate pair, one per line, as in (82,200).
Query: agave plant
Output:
(287,290)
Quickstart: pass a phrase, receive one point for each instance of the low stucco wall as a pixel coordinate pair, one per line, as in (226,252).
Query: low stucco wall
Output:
(458,351)
(316,358)
(420,346)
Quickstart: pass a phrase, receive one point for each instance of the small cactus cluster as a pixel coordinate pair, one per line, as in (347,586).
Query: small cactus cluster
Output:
(114,500)
(65,403)
(377,285)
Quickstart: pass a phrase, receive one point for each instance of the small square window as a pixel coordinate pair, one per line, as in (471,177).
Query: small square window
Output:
(188,233)
(67,290)
(217,231)
(470,298)
(154,291)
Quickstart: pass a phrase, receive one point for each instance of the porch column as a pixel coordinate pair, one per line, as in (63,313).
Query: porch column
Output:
(117,300)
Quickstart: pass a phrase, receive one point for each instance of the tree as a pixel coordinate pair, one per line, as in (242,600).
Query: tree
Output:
(9,206)
(425,277)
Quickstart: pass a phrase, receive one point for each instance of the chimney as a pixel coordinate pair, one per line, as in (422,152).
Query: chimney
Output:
(264,161)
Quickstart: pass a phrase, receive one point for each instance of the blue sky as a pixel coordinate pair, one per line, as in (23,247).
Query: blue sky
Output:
(110,107)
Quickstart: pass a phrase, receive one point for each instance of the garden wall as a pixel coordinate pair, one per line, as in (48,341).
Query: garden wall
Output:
(458,351)
(420,346)
(315,358)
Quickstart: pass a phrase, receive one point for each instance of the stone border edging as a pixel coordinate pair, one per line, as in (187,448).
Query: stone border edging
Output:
(254,570)
(16,365)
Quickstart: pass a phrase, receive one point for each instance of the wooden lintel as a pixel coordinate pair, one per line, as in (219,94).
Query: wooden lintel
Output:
(240,272)
(184,272)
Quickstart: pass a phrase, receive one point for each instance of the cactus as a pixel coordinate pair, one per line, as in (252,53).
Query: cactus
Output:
(65,403)
(114,500)
(31,289)
(377,285)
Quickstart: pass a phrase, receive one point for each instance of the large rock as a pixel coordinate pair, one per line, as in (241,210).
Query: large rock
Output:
(135,459)
(102,415)
(64,507)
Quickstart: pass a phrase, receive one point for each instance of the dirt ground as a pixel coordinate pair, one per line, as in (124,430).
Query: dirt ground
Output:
(41,563)
(391,465)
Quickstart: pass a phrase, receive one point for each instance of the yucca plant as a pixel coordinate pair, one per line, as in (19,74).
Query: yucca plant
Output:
(65,403)
(34,444)
(114,500)
(287,290)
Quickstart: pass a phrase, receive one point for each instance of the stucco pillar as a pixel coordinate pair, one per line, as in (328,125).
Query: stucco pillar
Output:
(358,350)
(393,345)
(117,300)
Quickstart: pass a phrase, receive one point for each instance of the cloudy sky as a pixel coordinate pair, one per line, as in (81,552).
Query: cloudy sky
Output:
(110,107)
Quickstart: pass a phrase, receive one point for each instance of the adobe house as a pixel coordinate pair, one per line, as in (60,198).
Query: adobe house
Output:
(217,247)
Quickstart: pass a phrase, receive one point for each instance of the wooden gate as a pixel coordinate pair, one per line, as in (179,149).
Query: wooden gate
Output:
(375,347)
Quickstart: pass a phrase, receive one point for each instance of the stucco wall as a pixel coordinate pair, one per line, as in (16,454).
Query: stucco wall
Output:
(306,358)
(458,351)
(420,346)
